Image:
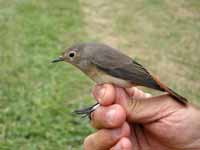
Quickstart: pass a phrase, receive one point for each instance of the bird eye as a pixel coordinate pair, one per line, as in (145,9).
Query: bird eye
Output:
(72,54)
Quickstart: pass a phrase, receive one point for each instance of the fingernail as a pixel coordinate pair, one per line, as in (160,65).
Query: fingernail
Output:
(100,93)
(110,116)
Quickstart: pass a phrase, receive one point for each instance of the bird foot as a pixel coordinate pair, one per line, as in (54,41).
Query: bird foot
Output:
(86,112)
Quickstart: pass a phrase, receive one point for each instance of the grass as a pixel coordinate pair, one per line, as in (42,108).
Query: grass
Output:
(37,98)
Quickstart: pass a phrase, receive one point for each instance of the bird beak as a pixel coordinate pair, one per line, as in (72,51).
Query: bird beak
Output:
(58,59)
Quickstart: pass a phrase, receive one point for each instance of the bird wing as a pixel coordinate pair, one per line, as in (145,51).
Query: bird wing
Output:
(121,66)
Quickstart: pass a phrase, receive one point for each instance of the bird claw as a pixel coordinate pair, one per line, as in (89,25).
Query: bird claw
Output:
(86,112)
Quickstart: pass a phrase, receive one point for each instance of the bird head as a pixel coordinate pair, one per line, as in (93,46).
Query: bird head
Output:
(77,55)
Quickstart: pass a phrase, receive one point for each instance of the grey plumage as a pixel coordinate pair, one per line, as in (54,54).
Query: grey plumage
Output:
(104,64)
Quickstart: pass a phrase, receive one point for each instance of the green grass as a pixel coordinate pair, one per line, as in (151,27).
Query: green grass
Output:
(37,97)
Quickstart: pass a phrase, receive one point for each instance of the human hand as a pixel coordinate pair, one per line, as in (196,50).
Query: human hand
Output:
(132,120)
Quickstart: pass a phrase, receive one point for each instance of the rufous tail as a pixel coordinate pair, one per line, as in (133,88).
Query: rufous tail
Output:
(172,93)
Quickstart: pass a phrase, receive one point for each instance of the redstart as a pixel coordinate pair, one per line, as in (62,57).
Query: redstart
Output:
(104,64)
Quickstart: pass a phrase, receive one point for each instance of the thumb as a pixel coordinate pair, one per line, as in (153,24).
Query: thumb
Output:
(146,110)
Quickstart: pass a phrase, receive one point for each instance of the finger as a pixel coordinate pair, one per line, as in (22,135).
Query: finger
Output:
(123,144)
(131,91)
(136,93)
(139,94)
(145,110)
(104,94)
(150,109)
(108,117)
(105,138)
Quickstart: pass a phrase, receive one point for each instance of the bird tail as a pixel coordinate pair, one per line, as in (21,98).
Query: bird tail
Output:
(176,96)
(172,93)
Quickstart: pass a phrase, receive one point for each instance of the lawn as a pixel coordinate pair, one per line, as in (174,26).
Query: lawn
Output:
(37,98)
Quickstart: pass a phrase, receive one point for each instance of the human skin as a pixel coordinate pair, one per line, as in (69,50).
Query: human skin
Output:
(129,119)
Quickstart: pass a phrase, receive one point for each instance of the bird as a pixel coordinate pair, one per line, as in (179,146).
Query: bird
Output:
(104,64)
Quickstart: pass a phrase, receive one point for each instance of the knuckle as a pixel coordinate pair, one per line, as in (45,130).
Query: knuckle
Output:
(88,144)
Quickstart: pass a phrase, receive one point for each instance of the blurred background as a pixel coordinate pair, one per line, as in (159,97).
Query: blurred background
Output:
(37,98)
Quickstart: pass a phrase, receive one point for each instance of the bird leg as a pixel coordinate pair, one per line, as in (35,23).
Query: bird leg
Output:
(87,111)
